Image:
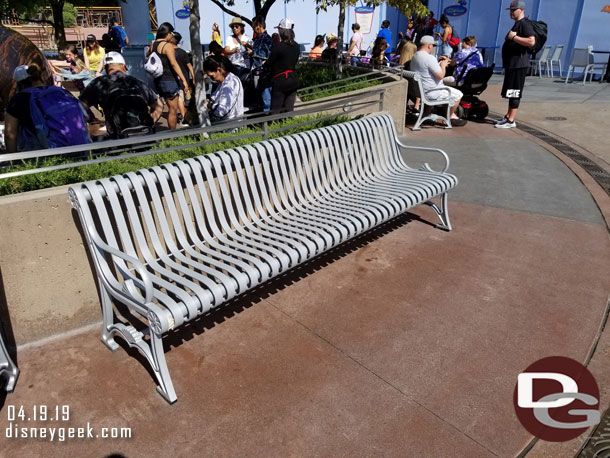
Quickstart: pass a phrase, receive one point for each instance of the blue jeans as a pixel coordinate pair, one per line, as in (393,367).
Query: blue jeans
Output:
(445,50)
(354,61)
(267,98)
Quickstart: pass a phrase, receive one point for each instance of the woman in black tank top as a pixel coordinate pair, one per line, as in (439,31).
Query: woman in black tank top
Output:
(172,80)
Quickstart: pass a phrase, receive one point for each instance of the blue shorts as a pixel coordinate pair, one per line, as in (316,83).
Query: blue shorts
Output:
(167,89)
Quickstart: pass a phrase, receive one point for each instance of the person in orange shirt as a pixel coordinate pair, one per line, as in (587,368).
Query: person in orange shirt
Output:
(316,51)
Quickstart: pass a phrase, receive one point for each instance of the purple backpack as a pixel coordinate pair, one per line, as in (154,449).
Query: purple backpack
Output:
(58,118)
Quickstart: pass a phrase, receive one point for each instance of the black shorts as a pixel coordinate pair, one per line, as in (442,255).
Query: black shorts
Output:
(514,80)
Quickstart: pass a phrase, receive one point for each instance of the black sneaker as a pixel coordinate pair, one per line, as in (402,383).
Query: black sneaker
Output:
(458,122)
(504,120)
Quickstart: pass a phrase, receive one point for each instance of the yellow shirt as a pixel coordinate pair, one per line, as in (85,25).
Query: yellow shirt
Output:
(216,37)
(95,58)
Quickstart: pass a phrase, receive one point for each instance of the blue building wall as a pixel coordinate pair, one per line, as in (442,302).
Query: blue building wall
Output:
(573,23)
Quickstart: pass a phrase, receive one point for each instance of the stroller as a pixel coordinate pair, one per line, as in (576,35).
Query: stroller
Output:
(474,84)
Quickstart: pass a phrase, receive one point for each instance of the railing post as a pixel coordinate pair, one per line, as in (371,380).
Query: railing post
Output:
(381,97)
(265,130)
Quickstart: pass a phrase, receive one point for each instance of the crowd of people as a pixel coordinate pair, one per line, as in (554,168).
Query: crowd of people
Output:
(260,70)
(256,72)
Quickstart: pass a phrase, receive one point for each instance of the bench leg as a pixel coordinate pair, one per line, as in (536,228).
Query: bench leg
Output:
(152,351)
(420,118)
(108,318)
(165,387)
(8,368)
(442,212)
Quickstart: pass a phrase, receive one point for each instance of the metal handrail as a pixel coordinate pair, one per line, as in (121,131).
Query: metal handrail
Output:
(347,104)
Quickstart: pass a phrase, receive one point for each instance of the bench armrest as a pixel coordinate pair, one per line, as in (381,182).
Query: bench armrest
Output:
(144,282)
(402,146)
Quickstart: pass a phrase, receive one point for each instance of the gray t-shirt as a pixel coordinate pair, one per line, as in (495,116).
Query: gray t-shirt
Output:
(427,66)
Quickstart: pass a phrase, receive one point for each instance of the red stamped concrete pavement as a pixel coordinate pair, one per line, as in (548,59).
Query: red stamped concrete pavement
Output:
(450,319)
(407,344)
(259,385)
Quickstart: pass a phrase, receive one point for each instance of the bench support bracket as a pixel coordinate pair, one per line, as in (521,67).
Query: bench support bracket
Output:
(152,349)
(442,212)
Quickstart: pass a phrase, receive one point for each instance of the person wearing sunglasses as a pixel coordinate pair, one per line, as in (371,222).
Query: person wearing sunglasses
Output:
(236,48)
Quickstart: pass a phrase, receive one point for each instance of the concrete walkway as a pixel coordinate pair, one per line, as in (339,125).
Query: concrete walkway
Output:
(404,343)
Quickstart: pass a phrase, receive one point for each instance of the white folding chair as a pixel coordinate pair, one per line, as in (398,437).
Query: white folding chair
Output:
(555,58)
(544,57)
(595,66)
(581,57)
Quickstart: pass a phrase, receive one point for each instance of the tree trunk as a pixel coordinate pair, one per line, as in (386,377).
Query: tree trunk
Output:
(340,30)
(200,96)
(57,7)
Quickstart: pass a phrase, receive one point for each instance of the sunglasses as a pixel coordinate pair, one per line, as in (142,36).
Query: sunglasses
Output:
(235,26)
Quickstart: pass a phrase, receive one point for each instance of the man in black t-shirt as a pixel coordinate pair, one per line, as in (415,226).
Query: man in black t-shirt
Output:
(516,61)
(130,106)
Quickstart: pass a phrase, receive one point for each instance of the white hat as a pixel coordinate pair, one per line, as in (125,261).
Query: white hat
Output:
(21,73)
(427,40)
(286,24)
(113,58)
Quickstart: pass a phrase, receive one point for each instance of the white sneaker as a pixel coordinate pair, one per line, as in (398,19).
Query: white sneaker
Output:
(501,120)
(506,125)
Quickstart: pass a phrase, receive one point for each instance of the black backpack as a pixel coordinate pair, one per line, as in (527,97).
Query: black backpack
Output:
(129,114)
(540,31)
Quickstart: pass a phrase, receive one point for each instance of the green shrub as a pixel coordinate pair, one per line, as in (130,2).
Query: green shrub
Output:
(313,75)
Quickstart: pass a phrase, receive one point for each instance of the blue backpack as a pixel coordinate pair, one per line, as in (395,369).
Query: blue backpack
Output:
(58,118)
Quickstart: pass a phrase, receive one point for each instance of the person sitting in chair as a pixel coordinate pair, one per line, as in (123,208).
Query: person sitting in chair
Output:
(432,73)
(467,58)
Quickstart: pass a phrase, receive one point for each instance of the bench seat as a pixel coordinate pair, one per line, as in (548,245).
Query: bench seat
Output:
(174,241)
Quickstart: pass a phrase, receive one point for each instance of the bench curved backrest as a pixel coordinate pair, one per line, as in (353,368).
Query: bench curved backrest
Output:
(152,213)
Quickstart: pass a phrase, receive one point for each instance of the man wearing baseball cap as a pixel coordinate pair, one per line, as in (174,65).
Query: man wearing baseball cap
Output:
(130,106)
(516,62)
(432,73)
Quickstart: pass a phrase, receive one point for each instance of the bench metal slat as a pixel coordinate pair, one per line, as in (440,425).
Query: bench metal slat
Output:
(322,221)
(192,303)
(225,285)
(275,212)
(291,238)
(264,263)
(257,223)
(314,189)
(255,249)
(191,239)
(282,252)
(177,309)
(339,184)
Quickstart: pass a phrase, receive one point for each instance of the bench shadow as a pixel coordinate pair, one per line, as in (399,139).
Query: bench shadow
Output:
(6,332)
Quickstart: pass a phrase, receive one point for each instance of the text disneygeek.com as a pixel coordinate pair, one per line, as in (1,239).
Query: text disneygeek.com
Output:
(21,419)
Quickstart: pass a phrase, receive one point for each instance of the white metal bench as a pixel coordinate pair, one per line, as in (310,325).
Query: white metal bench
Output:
(426,105)
(174,241)
(8,369)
